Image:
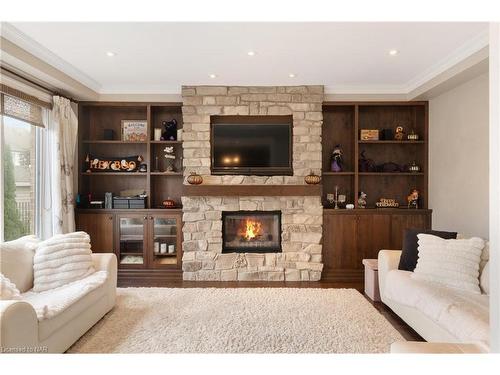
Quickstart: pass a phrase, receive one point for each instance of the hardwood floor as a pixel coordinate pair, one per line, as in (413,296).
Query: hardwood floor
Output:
(406,331)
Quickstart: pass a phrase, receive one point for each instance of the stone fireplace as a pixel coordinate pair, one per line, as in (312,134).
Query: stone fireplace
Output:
(251,231)
(214,246)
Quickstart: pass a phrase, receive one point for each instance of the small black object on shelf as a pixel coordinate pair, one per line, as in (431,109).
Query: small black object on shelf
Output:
(170,132)
(387,135)
(129,202)
(109,134)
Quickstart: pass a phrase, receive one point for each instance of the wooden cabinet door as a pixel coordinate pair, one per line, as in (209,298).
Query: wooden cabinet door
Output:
(400,222)
(100,229)
(339,242)
(374,234)
(131,240)
(164,246)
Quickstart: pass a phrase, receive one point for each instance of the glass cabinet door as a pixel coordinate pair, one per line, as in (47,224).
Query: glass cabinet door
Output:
(131,233)
(165,242)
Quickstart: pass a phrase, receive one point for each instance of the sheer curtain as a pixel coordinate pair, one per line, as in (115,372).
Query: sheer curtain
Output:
(59,148)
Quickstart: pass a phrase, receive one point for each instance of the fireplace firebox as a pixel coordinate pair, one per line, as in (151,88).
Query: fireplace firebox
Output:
(251,231)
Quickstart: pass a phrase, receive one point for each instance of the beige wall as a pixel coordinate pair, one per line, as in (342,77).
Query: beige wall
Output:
(458,158)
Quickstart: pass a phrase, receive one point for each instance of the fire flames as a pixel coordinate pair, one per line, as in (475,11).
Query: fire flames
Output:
(251,229)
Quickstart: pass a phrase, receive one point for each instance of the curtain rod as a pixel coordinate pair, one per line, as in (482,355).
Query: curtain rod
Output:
(33,83)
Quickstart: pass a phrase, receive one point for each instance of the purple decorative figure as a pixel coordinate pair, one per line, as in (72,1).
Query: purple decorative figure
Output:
(337,159)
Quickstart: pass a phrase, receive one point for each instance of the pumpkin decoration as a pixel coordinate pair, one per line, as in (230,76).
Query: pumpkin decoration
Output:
(312,179)
(194,179)
(168,203)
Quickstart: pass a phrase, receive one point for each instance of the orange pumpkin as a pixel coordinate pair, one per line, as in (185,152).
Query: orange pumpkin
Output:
(194,179)
(312,179)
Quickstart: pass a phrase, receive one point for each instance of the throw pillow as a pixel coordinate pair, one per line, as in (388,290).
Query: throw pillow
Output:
(451,263)
(61,260)
(409,255)
(485,255)
(16,261)
(484,279)
(7,289)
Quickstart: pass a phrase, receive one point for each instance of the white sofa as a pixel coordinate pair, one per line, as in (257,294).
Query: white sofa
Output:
(438,314)
(22,331)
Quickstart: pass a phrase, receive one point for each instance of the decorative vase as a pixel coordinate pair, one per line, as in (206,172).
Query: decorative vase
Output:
(312,179)
(194,179)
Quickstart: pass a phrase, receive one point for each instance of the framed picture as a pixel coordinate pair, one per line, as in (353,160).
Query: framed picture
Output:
(134,130)
(369,135)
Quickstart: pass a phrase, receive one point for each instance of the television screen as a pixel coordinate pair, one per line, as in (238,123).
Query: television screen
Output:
(251,148)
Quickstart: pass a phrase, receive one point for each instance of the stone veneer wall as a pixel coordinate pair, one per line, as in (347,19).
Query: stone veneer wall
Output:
(301,224)
(304,103)
(302,217)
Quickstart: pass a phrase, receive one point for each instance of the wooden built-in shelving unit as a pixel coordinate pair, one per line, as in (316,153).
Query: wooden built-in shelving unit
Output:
(342,123)
(349,236)
(134,235)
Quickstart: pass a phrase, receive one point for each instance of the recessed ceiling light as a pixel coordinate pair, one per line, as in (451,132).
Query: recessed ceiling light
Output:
(393,52)
(291,75)
(110,54)
(212,75)
(251,53)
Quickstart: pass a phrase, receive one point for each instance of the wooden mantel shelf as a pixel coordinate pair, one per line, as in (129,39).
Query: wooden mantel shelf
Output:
(251,190)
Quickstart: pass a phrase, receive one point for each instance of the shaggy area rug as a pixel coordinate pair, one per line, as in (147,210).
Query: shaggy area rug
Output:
(239,320)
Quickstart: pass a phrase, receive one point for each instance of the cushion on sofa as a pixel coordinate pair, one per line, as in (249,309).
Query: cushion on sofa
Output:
(62,259)
(451,263)
(409,256)
(16,261)
(57,307)
(485,254)
(484,280)
(464,315)
(50,303)
(8,290)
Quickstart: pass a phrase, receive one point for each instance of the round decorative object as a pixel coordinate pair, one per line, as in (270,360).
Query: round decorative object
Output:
(194,179)
(349,206)
(312,179)
(168,203)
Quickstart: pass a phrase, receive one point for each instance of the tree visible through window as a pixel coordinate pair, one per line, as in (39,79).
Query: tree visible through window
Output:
(19,148)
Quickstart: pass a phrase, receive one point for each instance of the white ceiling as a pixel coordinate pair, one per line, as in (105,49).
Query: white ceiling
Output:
(159,58)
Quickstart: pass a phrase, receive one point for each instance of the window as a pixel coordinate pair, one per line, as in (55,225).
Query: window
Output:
(20,174)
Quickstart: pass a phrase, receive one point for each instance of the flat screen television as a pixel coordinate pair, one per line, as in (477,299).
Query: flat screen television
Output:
(260,146)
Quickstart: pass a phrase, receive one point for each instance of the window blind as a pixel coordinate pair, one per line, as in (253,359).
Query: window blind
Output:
(14,103)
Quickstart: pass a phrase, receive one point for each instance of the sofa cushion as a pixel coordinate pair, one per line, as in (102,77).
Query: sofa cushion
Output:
(452,263)
(50,303)
(464,315)
(57,307)
(409,256)
(485,254)
(8,290)
(484,280)
(62,259)
(16,261)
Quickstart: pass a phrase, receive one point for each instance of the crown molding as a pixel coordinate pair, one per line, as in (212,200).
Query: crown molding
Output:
(365,90)
(142,90)
(23,41)
(468,49)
